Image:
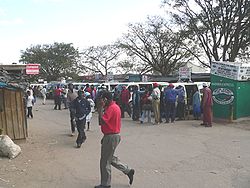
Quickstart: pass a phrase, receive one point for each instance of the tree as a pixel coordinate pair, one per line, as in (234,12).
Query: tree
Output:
(57,60)
(100,59)
(160,49)
(222,27)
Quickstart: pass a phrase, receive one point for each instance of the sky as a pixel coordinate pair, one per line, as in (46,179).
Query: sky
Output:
(82,22)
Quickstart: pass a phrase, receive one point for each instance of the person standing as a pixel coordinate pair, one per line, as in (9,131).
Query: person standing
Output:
(170,95)
(44,92)
(146,107)
(64,96)
(110,122)
(136,98)
(156,95)
(92,106)
(196,104)
(99,106)
(125,96)
(30,103)
(207,103)
(180,103)
(82,108)
(71,96)
(58,99)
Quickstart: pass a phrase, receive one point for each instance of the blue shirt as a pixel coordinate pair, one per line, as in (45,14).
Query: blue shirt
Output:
(170,95)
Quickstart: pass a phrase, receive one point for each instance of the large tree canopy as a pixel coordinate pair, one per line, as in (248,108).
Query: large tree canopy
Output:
(222,27)
(100,59)
(160,49)
(57,60)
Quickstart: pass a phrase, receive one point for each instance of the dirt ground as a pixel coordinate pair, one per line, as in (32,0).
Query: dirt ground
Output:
(179,155)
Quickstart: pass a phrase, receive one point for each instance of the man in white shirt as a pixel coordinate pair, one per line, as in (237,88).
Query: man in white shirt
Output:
(156,95)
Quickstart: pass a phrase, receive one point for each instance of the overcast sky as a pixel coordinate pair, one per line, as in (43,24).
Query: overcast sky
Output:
(82,22)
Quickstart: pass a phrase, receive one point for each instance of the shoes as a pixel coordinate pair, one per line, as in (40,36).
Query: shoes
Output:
(72,134)
(156,123)
(141,122)
(78,146)
(131,176)
(102,186)
(203,124)
(208,125)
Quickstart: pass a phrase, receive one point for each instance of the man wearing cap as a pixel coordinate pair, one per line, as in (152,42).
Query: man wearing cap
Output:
(207,103)
(170,95)
(110,122)
(156,95)
(82,109)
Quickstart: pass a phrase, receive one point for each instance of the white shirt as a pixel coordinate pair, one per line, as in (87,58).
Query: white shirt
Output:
(30,101)
(156,94)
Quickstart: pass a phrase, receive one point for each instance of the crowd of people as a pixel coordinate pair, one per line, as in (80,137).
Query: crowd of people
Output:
(141,105)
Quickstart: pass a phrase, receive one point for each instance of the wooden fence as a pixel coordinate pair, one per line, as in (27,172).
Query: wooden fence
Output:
(13,120)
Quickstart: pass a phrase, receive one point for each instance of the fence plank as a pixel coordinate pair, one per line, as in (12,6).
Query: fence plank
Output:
(20,118)
(15,115)
(8,114)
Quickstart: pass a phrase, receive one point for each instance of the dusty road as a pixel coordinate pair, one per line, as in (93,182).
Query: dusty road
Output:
(180,155)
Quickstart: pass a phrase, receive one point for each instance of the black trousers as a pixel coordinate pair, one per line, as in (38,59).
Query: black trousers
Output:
(136,112)
(30,114)
(170,111)
(58,102)
(125,107)
(180,110)
(80,124)
(72,120)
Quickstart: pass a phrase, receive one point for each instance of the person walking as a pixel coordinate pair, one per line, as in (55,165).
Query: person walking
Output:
(71,96)
(207,103)
(156,95)
(82,108)
(110,122)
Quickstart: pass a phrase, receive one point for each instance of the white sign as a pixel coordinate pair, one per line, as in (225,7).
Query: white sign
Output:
(234,71)
(185,73)
(32,68)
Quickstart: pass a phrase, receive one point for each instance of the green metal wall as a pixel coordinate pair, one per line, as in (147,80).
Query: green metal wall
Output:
(241,98)
(219,110)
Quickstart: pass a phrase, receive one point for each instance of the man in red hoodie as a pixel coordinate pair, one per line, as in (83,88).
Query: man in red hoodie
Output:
(110,122)
(125,96)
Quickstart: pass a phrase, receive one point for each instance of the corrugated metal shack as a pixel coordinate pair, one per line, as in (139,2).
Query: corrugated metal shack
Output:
(13,120)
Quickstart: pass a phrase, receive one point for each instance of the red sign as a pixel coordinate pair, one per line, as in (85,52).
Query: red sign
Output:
(32,68)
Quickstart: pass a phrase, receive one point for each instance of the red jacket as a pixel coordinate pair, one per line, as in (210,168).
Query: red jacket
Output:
(125,96)
(112,119)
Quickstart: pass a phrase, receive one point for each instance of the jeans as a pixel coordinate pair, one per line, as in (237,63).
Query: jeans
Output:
(146,114)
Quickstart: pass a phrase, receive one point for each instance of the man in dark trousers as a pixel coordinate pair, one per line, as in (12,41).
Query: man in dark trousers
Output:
(82,109)
(110,122)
